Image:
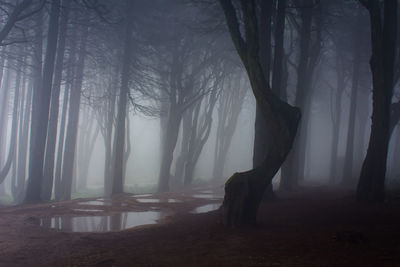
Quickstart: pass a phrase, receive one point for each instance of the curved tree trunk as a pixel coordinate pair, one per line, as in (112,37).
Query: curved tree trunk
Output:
(244,191)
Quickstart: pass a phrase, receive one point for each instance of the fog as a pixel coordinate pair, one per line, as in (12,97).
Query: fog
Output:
(199,133)
(105,97)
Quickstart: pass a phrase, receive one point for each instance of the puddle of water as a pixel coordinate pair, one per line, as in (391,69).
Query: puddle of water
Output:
(142,195)
(94,202)
(172,200)
(206,192)
(148,200)
(206,208)
(157,200)
(114,222)
(87,210)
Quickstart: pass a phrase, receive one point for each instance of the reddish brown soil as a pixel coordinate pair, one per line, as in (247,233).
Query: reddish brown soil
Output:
(314,227)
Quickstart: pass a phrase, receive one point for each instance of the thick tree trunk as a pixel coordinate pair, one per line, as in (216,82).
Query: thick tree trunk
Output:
(184,154)
(260,129)
(371,186)
(171,137)
(265,56)
(244,191)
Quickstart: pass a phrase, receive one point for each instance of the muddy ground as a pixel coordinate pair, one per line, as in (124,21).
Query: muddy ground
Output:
(313,227)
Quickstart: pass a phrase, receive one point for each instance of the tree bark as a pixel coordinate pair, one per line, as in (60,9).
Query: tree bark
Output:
(279,51)
(337,115)
(347,176)
(39,123)
(244,191)
(171,137)
(73,120)
(371,186)
(119,138)
(48,173)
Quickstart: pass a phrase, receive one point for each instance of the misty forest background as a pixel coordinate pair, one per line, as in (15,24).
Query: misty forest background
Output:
(100,97)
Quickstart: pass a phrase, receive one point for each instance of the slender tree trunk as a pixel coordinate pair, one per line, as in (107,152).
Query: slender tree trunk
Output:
(4,120)
(70,74)
(279,50)
(23,143)
(189,163)
(290,172)
(204,129)
(337,119)
(87,139)
(108,131)
(60,146)
(39,123)
(48,175)
(347,177)
(119,138)
(17,118)
(73,120)
(128,147)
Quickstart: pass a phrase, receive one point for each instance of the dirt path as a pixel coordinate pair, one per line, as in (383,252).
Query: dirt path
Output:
(314,227)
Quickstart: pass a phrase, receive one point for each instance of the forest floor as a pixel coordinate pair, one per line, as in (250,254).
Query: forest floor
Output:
(316,226)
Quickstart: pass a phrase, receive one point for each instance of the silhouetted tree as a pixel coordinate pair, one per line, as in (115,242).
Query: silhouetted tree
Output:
(371,186)
(40,112)
(244,191)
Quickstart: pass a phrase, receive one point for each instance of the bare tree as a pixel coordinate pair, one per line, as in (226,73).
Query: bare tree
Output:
(383,37)
(244,191)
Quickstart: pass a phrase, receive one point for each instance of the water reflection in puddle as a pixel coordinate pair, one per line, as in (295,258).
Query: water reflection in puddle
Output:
(206,192)
(142,195)
(148,200)
(172,200)
(157,200)
(206,208)
(114,222)
(87,210)
(95,202)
